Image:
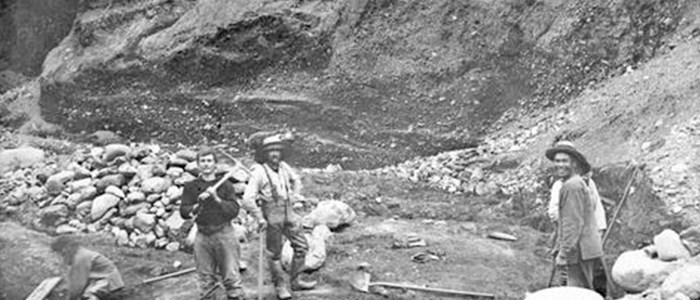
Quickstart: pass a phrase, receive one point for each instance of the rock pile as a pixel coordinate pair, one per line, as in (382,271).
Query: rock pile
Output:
(470,172)
(131,191)
(667,270)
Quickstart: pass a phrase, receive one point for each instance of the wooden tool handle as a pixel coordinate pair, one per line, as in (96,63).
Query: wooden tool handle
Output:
(166,276)
(434,290)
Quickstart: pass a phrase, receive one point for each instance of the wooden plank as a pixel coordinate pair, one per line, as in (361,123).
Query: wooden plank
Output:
(44,288)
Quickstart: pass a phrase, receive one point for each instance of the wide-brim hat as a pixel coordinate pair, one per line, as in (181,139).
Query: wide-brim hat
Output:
(569,148)
(273,142)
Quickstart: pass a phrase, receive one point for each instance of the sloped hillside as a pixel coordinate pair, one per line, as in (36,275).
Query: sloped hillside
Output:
(363,83)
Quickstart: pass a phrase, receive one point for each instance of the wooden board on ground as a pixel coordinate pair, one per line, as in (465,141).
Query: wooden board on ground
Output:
(44,288)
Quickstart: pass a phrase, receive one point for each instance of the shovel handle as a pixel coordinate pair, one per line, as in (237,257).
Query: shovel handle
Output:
(434,290)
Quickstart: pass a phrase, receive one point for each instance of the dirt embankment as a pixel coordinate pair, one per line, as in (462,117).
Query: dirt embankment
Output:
(363,83)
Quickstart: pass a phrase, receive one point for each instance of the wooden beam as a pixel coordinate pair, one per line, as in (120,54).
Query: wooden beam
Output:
(44,288)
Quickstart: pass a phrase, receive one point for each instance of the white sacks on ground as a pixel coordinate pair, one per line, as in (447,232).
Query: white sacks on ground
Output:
(564,292)
(635,271)
(669,246)
(685,280)
(317,249)
(332,213)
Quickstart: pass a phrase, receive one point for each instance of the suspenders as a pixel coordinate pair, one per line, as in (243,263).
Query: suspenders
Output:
(276,195)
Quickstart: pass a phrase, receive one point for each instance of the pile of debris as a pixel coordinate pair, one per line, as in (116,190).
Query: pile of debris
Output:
(133,192)
(470,172)
(669,269)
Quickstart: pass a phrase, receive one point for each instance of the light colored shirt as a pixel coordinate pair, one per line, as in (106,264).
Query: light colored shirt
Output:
(89,265)
(285,181)
(553,208)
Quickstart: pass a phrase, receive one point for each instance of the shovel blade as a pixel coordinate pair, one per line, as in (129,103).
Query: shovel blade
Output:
(360,281)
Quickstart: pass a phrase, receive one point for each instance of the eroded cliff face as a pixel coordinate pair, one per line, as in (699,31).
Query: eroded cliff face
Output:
(362,83)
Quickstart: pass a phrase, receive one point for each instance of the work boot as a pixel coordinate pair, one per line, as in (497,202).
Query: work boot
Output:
(280,279)
(297,283)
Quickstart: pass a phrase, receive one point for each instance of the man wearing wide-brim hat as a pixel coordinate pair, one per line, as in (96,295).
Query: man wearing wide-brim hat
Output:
(275,186)
(579,245)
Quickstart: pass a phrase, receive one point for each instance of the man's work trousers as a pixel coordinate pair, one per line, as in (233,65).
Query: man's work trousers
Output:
(217,254)
(581,273)
(293,232)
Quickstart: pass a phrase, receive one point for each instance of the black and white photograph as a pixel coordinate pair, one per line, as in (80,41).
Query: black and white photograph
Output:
(349,149)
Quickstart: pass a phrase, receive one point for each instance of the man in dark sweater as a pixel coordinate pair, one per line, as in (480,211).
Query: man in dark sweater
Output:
(216,250)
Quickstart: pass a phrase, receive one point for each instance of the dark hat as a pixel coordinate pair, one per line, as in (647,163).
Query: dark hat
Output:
(569,148)
(273,142)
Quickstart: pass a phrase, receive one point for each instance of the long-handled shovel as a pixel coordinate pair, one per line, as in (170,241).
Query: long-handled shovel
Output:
(361,281)
(261,261)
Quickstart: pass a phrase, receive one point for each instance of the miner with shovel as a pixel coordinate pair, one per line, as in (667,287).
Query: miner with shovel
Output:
(275,186)
(579,244)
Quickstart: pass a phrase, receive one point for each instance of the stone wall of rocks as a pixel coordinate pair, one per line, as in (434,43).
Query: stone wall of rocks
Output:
(130,191)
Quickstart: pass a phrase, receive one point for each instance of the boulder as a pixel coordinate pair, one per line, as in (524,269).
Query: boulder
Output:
(172,247)
(121,236)
(83,208)
(174,223)
(564,292)
(53,215)
(115,191)
(103,137)
(192,168)
(135,197)
(316,256)
(73,200)
(127,170)
(20,158)
(112,179)
(57,182)
(332,213)
(174,172)
(77,185)
(144,171)
(685,280)
(161,243)
(107,216)
(159,231)
(635,271)
(174,193)
(669,246)
(691,239)
(80,171)
(66,229)
(176,162)
(102,204)
(184,179)
(35,193)
(143,221)
(113,151)
(158,170)
(87,193)
(134,208)
(155,185)
(186,154)
(153,198)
